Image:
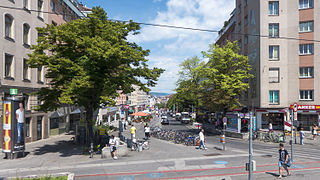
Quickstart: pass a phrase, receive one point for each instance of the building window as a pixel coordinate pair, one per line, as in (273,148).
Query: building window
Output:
(245,2)
(274,52)
(40,8)
(40,74)
(274,8)
(306,26)
(306,95)
(246,39)
(274,97)
(8,26)
(306,49)
(53,6)
(273,75)
(27,129)
(26,4)
(8,66)
(274,30)
(26,70)
(306,72)
(305,4)
(26,34)
(240,44)
(246,21)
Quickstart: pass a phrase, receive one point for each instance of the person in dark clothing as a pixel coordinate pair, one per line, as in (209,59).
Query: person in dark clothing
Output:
(283,160)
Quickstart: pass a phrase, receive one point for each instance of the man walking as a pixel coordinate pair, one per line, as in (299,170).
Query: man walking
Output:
(283,160)
(147,132)
(301,133)
(201,137)
(133,132)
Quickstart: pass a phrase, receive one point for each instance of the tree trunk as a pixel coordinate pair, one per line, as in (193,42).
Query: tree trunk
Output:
(89,117)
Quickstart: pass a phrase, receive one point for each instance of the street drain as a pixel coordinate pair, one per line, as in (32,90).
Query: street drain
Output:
(212,154)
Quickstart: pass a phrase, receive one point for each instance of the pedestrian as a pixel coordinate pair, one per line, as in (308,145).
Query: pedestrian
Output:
(314,131)
(284,160)
(133,132)
(301,133)
(270,127)
(147,132)
(202,139)
(113,147)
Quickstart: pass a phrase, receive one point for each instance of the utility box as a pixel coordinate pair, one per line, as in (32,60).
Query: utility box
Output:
(254,166)
(13,126)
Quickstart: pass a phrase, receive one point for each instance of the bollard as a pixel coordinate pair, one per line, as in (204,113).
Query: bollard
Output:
(223,141)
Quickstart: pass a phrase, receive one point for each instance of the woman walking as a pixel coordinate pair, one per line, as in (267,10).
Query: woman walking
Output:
(314,131)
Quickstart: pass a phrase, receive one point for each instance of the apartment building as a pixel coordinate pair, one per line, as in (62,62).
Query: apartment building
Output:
(277,36)
(138,99)
(20,18)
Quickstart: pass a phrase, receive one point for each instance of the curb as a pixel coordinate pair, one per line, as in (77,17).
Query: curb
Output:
(69,174)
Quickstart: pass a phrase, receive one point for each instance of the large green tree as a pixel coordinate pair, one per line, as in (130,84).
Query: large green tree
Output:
(88,60)
(188,85)
(225,76)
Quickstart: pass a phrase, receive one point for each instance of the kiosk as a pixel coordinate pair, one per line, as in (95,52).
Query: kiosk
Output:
(13,127)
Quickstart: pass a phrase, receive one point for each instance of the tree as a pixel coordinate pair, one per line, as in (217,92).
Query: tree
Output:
(188,84)
(88,60)
(225,76)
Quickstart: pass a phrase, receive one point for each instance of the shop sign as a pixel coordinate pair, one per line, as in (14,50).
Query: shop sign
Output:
(306,107)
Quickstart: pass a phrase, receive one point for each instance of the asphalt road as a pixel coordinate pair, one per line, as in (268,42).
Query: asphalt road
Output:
(166,160)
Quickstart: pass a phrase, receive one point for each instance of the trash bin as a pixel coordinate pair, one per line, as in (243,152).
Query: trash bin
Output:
(139,146)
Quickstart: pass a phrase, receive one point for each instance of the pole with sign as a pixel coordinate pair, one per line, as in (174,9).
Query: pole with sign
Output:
(294,111)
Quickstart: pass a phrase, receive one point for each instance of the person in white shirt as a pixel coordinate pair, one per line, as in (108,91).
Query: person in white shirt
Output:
(270,127)
(202,139)
(20,122)
(113,148)
(147,132)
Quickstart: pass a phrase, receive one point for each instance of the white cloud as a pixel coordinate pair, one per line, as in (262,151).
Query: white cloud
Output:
(178,44)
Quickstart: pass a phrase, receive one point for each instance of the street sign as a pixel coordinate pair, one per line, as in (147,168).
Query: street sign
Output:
(295,107)
(13,91)
(224,120)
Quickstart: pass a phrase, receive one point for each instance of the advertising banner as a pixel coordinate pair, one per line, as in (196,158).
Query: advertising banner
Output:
(7,126)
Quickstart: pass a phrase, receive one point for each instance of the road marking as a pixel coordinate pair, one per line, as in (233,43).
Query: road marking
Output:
(119,163)
(237,174)
(193,170)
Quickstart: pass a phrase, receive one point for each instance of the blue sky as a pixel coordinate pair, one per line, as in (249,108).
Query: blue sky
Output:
(169,47)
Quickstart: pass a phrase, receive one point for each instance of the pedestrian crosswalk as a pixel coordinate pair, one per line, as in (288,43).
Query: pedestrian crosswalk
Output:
(299,151)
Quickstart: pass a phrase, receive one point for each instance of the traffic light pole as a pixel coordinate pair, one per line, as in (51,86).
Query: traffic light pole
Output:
(250,148)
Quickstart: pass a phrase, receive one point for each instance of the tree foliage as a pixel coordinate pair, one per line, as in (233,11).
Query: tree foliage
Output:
(225,76)
(215,85)
(88,60)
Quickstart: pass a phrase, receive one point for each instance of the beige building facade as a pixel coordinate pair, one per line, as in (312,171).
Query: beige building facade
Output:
(277,36)
(19,20)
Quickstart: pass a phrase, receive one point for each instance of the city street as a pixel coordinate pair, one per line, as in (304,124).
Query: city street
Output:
(166,160)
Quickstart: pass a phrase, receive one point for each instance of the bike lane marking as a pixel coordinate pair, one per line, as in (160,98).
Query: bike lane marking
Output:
(237,174)
(195,170)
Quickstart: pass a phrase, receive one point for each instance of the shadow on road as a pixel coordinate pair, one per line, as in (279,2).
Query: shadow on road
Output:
(273,174)
(65,148)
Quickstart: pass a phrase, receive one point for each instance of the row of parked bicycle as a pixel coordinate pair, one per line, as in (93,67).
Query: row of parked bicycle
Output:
(178,137)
